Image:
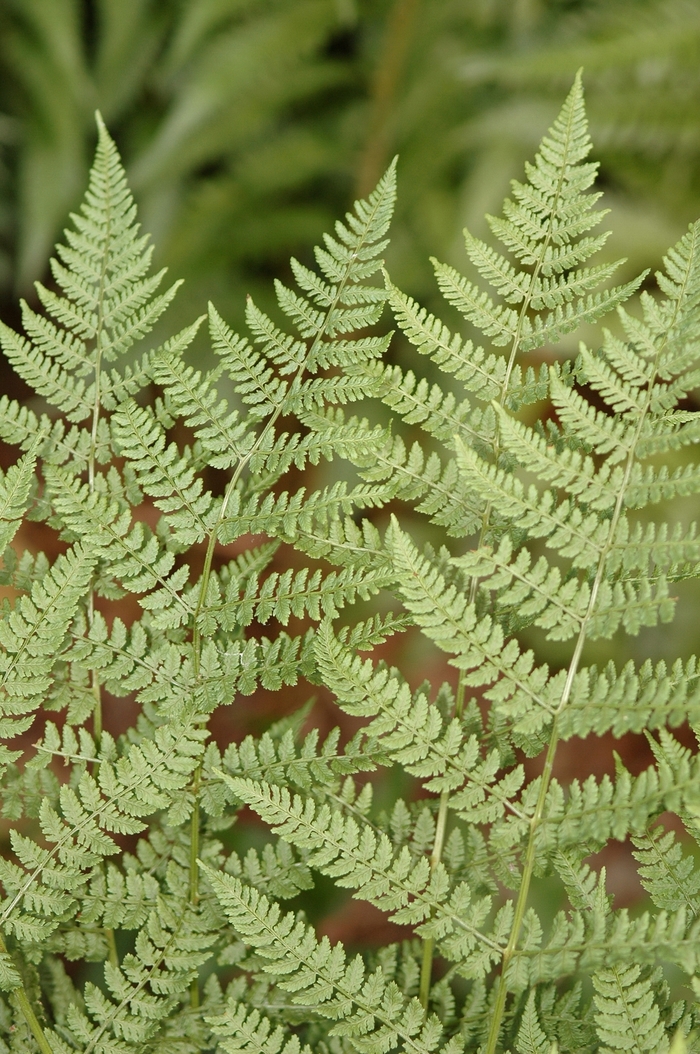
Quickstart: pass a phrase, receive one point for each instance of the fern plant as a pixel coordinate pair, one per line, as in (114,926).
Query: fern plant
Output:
(122,852)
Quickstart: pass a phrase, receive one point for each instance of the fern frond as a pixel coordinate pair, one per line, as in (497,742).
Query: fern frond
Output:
(627,1016)
(47,378)
(555,541)
(347,304)
(106,301)
(292,595)
(245,1031)
(561,467)
(422,477)
(531,1039)
(566,528)
(598,431)
(481,375)
(542,227)
(374,1013)
(630,700)
(277,760)
(607,810)
(165,474)
(567,318)
(19,426)
(499,323)
(32,637)
(192,396)
(135,555)
(651,486)
(145,988)
(358,857)
(669,876)
(527,692)
(43,887)
(536,592)
(253,377)
(418,402)
(15,487)
(414,733)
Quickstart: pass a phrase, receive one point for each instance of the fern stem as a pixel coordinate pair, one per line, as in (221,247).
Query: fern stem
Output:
(112,946)
(426,970)
(90,607)
(32,1020)
(27,1010)
(92,457)
(429,943)
(206,575)
(548,768)
(95,683)
(195,820)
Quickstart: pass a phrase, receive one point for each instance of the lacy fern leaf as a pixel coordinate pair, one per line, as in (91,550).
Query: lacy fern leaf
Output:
(190,566)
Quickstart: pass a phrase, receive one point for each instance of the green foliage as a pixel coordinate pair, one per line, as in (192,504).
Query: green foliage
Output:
(124,858)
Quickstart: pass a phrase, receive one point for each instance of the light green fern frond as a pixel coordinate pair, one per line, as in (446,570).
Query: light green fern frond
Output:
(607,569)
(544,228)
(15,487)
(369,1011)
(670,877)
(531,1039)
(245,1031)
(628,1017)
(560,543)
(107,302)
(33,636)
(141,992)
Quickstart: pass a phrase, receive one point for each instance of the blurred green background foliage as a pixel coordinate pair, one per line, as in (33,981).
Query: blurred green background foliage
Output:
(247,126)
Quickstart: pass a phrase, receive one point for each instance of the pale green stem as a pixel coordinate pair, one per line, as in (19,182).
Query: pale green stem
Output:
(97,712)
(201,599)
(536,820)
(436,856)
(111,945)
(32,1020)
(27,1010)
(426,968)
(94,676)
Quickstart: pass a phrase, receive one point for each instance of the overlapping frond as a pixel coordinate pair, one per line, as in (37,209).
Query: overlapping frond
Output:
(580,486)
(352,851)
(32,638)
(557,543)
(42,889)
(627,1015)
(139,994)
(15,487)
(670,877)
(373,1014)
